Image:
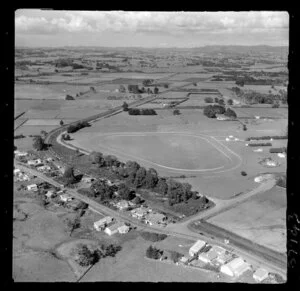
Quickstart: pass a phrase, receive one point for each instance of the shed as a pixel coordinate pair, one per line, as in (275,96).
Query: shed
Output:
(66,197)
(100,224)
(32,187)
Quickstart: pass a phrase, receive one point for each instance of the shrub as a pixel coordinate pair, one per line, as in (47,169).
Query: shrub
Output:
(69,97)
(19,136)
(281,181)
(221,102)
(209,100)
(176,112)
(153,253)
(152,236)
(243,173)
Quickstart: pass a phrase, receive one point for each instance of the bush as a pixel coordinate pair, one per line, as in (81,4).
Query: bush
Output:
(208,100)
(69,97)
(137,111)
(152,236)
(243,173)
(19,136)
(153,253)
(176,112)
(229,102)
(281,181)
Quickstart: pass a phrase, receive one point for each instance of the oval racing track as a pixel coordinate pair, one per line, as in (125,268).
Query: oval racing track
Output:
(234,159)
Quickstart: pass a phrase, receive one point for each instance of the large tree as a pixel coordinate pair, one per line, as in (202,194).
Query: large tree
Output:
(151,178)
(125,106)
(38,143)
(140,177)
(161,186)
(96,157)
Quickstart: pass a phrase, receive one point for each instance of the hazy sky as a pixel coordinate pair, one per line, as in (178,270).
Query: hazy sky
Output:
(149,29)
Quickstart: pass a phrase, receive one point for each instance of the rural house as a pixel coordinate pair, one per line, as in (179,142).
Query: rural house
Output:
(123,204)
(208,256)
(124,229)
(50,193)
(44,168)
(260,274)
(155,218)
(36,162)
(197,247)
(236,267)
(17,171)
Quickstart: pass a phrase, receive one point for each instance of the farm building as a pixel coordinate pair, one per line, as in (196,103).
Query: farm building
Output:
(197,247)
(32,187)
(87,179)
(66,197)
(101,224)
(260,274)
(236,267)
(183,260)
(155,218)
(114,228)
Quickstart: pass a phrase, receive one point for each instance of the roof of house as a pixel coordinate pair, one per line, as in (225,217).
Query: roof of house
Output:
(218,250)
(103,220)
(115,226)
(198,245)
(32,185)
(155,217)
(237,265)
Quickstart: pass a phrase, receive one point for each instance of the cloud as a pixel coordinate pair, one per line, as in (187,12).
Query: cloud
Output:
(173,23)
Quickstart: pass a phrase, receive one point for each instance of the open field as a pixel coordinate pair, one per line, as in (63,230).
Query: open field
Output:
(262,112)
(178,151)
(265,222)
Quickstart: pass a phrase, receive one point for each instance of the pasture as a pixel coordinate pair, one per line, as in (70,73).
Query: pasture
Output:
(265,222)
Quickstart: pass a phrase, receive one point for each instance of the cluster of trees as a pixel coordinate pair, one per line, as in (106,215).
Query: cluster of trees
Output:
(137,111)
(86,257)
(209,100)
(101,191)
(69,97)
(153,253)
(148,82)
(138,177)
(75,127)
(69,176)
(211,110)
(176,112)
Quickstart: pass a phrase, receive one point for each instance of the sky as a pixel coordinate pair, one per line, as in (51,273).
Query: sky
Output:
(47,28)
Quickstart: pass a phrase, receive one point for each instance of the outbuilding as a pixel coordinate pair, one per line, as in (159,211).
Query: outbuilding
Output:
(102,223)
(114,228)
(66,197)
(208,256)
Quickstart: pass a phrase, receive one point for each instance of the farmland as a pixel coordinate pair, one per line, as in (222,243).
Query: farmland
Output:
(184,145)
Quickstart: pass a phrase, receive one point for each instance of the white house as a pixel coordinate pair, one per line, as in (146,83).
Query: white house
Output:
(123,204)
(20,154)
(101,224)
(260,274)
(236,267)
(32,187)
(66,197)
(208,256)
(197,247)
(114,228)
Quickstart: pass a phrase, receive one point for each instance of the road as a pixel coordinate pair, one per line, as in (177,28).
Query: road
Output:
(182,232)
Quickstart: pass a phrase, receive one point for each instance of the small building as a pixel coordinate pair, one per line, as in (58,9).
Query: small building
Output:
(224,258)
(66,197)
(184,260)
(260,274)
(197,247)
(49,159)
(114,228)
(208,256)
(87,179)
(32,187)
(139,212)
(102,223)
(236,267)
